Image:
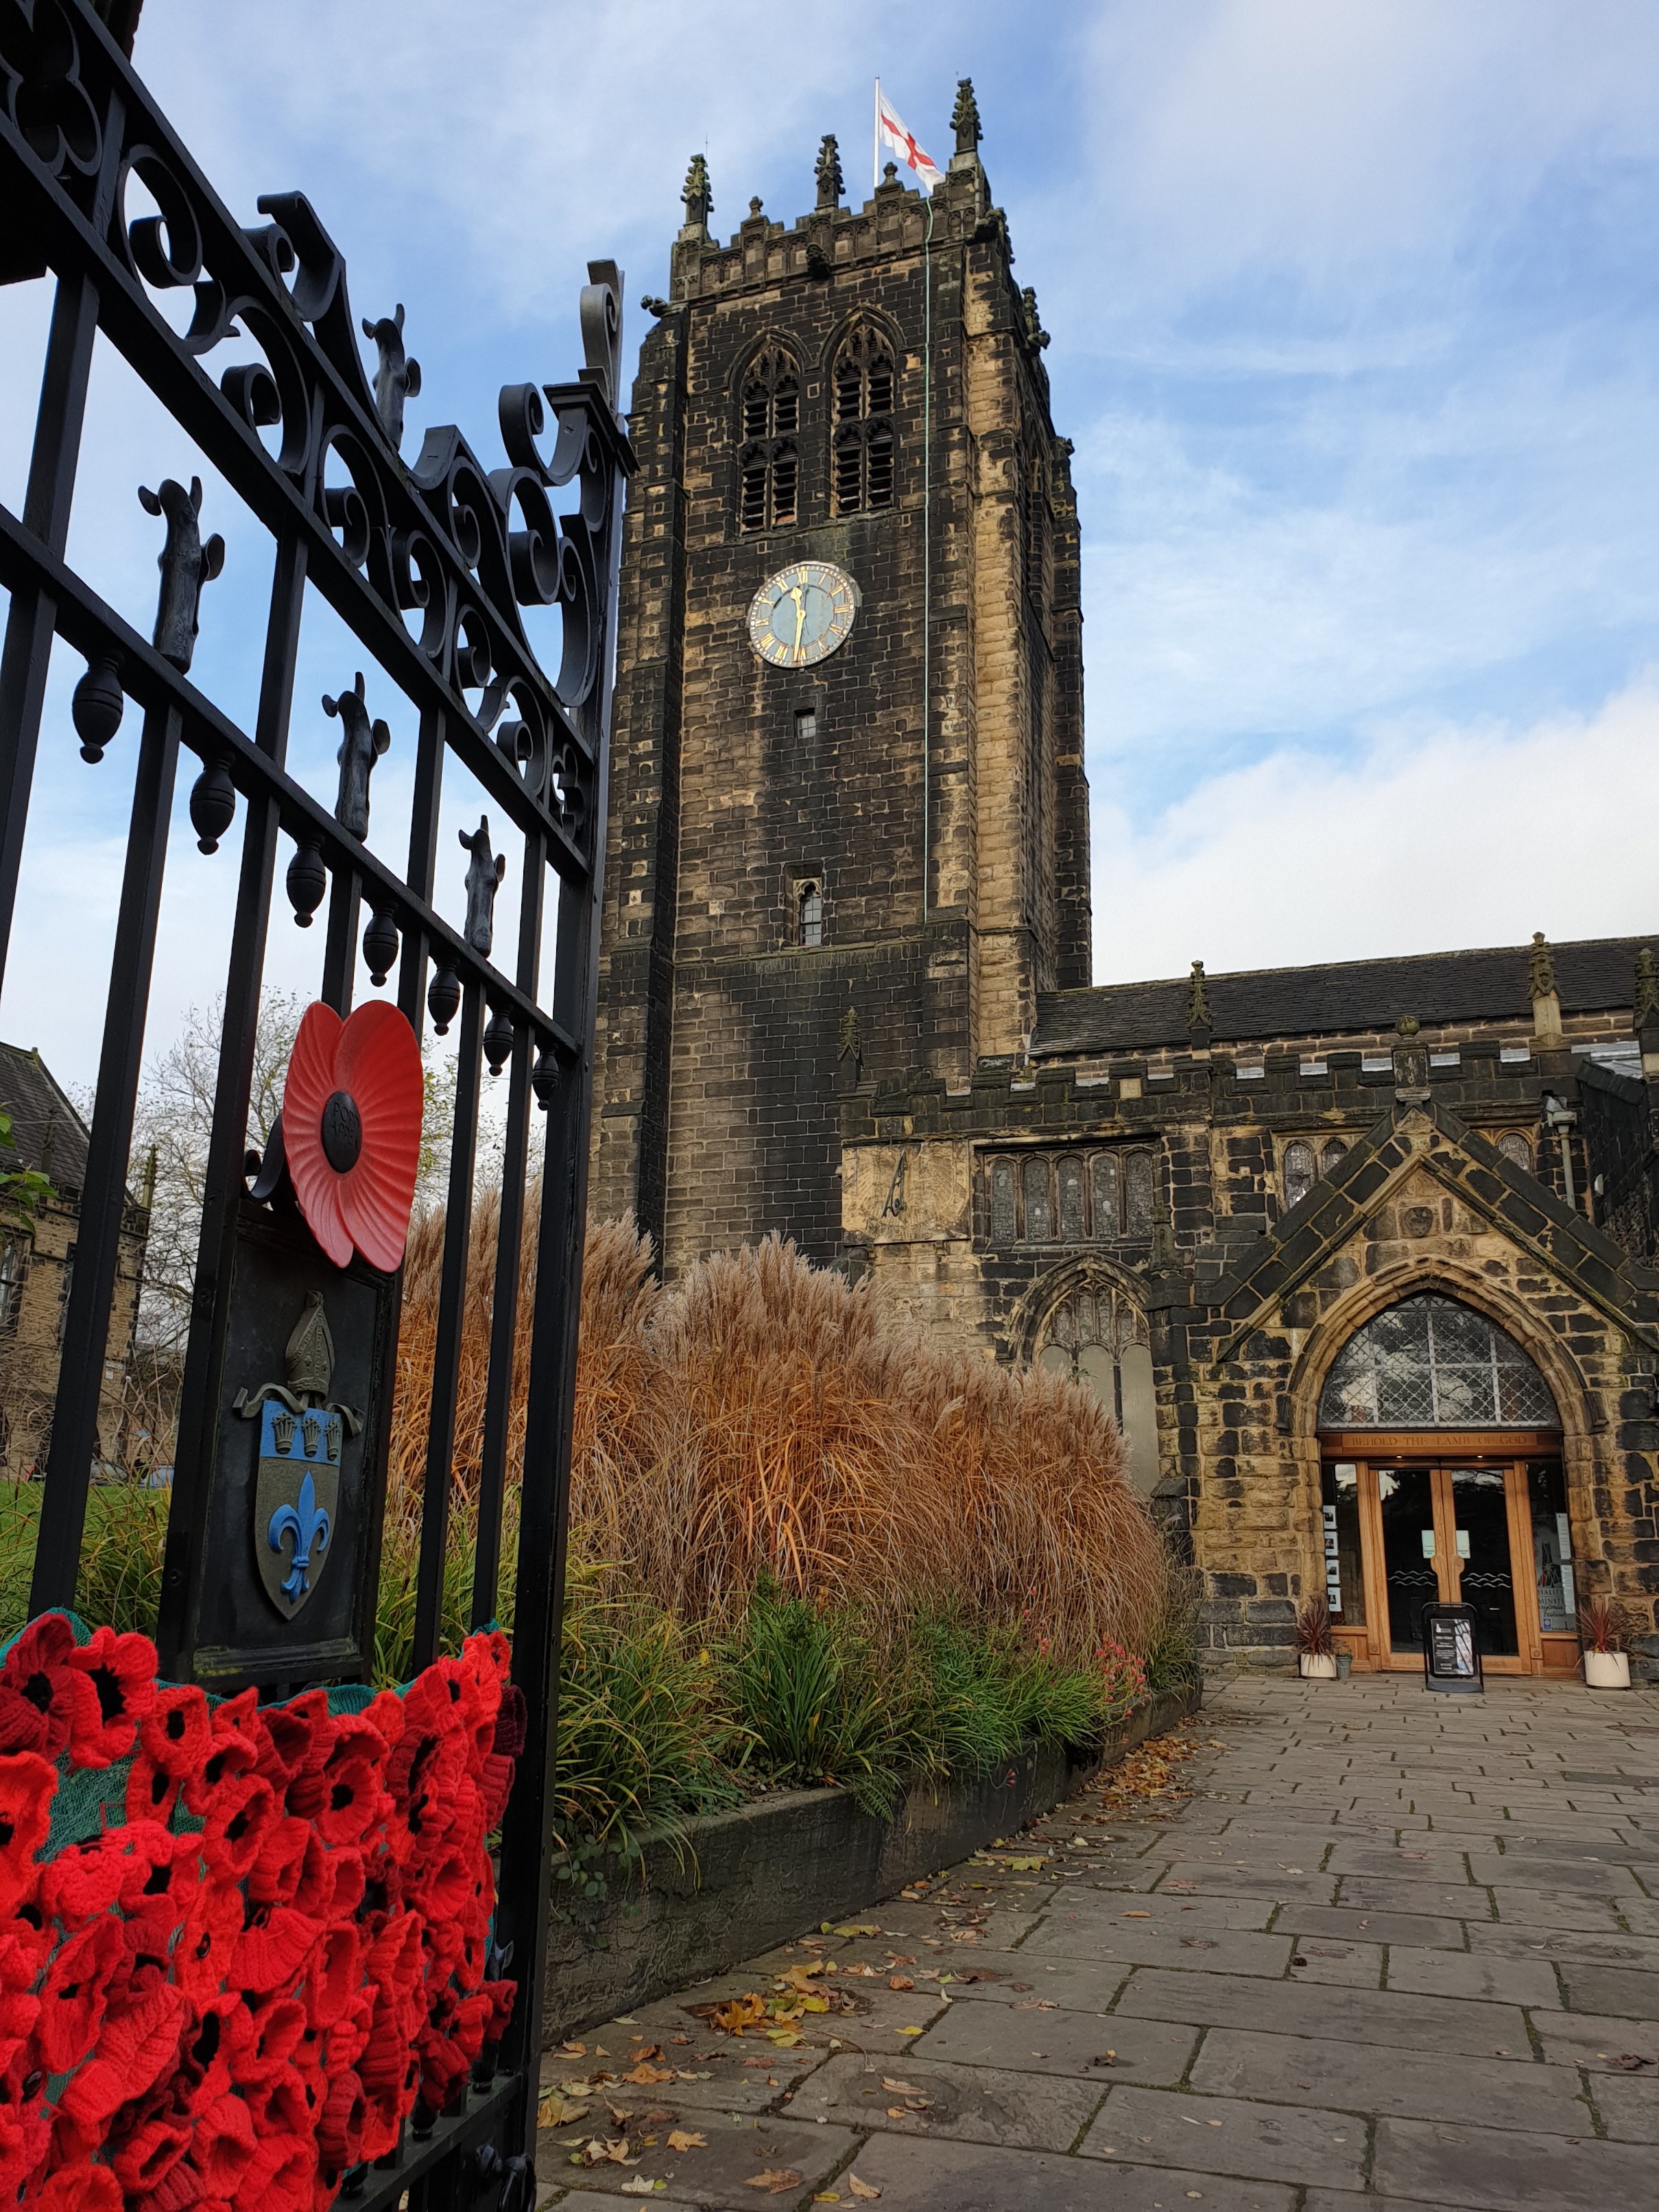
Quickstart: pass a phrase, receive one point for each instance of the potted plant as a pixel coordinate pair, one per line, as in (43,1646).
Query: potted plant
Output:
(1316,1646)
(1601,1632)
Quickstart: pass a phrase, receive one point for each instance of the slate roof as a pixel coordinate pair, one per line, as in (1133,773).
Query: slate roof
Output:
(47,1131)
(1594,975)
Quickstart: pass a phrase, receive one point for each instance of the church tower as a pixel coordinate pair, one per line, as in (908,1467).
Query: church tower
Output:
(849,821)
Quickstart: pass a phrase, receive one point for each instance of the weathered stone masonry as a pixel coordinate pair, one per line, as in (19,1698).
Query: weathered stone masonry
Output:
(953,861)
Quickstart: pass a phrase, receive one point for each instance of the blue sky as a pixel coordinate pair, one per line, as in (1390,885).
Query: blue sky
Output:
(1354,323)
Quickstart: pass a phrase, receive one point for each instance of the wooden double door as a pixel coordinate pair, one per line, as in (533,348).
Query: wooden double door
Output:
(1403,1531)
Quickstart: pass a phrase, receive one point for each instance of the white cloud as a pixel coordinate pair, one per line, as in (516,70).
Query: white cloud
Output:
(1434,837)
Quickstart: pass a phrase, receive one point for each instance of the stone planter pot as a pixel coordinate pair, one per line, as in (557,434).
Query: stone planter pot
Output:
(1607,1670)
(1317,1666)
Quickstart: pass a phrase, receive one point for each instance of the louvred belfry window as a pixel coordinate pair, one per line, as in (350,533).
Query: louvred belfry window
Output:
(769,461)
(863,440)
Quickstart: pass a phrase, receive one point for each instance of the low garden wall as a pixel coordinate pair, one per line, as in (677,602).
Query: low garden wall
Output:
(733,1884)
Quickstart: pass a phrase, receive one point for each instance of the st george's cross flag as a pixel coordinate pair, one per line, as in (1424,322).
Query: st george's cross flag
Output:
(892,133)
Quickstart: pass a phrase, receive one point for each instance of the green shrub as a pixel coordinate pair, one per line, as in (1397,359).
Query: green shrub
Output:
(647,1736)
(809,1689)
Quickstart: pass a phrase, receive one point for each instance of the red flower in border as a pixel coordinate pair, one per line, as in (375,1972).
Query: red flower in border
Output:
(27,1784)
(77,1989)
(82,2187)
(243,1815)
(351,1129)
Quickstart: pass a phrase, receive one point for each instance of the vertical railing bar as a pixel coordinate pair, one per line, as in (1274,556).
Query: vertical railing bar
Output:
(447,1349)
(224,1184)
(550,1414)
(26,658)
(48,502)
(339,953)
(423,860)
(504,1307)
(104,1191)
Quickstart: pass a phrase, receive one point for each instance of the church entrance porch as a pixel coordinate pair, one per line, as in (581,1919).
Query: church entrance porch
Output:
(1480,1520)
(1442,1481)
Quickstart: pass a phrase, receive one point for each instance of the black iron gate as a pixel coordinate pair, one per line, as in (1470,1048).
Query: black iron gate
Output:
(427,563)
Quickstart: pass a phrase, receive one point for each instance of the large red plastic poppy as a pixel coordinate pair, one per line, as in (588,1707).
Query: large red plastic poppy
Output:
(351,1130)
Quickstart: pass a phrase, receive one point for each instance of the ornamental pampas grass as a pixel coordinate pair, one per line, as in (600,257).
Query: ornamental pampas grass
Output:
(760,1415)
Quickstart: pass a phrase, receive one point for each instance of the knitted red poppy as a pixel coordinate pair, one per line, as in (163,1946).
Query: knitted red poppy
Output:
(341,2123)
(82,2187)
(212,1928)
(148,2155)
(331,1977)
(76,1991)
(244,1812)
(294,1737)
(27,1785)
(275,1875)
(272,1949)
(41,1696)
(122,1672)
(26,2143)
(223,2144)
(281,2177)
(351,1129)
(178,1731)
(132,2053)
(231,1755)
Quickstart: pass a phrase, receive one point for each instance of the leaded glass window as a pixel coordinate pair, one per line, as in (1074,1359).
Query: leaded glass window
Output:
(1071,1200)
(1429,1363)
(1137,1194)
(1103,1171)
(1039,1204)
(1003,1227)
(1298,1172)
(1332,1157)
(1094,1336)
(1513,1146)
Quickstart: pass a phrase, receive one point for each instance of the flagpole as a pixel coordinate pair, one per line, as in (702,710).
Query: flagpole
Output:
(875,144)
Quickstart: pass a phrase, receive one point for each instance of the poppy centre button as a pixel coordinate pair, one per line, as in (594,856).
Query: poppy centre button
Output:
(342,1132)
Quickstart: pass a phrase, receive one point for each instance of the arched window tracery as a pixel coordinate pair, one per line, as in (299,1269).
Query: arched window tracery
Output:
(1433,1363)
(862,436)
(1299,1173)
(1095,1336)
(768,458)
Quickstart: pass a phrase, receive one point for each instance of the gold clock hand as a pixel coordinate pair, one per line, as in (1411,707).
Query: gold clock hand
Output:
(800,616)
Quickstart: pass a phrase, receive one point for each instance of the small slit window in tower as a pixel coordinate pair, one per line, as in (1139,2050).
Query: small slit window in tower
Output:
(809,904)
(806,725)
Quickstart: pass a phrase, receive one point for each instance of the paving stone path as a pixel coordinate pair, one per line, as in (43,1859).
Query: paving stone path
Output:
(1394,1950)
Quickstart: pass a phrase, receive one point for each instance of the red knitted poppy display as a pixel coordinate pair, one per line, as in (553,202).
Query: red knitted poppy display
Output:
(237,1995)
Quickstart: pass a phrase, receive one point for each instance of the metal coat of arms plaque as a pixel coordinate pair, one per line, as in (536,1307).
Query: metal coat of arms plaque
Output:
(296,1490)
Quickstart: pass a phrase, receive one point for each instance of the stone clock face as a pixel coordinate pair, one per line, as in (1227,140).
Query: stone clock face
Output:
(802,614)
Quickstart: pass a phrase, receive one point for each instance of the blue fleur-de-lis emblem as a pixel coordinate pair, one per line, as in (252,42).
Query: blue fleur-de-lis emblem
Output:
(308,1525)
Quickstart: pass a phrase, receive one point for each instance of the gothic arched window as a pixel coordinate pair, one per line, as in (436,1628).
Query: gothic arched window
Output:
(1429,1363)
(809,914)
(768,462)
(1094,1336)
(1299,1174)
(1104,1172)
(862,436)
(1513,1146)
(1332,1157)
